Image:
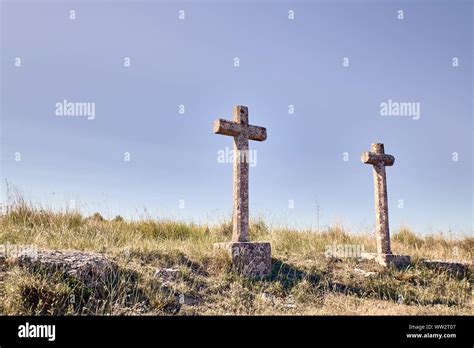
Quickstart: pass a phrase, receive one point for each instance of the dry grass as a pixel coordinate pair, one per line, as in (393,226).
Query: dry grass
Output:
(303,281)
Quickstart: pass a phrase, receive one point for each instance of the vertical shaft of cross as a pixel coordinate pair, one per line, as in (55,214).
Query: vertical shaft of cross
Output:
(240,218)
(381,202)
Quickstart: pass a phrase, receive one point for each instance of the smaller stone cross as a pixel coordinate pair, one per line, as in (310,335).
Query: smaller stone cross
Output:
(379,160)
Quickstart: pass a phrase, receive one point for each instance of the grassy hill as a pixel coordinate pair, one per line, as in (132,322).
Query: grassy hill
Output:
(170,268)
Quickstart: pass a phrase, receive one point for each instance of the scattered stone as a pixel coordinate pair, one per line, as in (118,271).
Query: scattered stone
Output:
(167,274)
(188,300)
(364,273)
(458,269)
(379,160)
(290,302)
(266,297)
(87,267)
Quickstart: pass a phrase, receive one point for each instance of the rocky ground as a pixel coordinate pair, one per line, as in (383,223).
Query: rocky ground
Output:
(63,263)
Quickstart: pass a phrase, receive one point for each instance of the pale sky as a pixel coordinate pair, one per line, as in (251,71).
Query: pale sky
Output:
(311,155)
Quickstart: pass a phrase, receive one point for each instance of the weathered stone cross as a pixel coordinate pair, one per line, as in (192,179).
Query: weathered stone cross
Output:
(242,132)
(249,259)
(378,159)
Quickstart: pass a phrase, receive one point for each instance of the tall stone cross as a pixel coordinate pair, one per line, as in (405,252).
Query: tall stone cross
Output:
(242,132)
(249,259)
(379,160)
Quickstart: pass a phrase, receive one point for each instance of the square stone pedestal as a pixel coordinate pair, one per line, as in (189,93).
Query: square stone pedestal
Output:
(399,261)
(459,269)
(249,259)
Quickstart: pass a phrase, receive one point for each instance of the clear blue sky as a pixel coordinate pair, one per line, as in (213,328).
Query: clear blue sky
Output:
(282,62)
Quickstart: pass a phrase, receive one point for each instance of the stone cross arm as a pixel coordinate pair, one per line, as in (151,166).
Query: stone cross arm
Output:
(233,129)
(377,156)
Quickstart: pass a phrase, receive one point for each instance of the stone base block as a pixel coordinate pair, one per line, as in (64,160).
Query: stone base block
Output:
(249,259)
(458,269)
(399,261)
